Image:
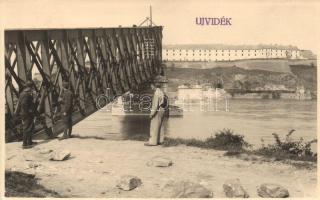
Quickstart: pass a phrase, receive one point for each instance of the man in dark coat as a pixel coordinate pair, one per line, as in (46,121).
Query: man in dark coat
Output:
(66,109)
(26,109)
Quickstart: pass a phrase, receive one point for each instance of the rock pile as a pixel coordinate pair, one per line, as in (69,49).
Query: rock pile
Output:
(160,162)
(233,188)
(128,182)
(185,189)
(60,155)
(271,190)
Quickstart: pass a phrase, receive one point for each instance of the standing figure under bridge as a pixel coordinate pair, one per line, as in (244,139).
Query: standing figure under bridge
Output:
(26,110)
(66,101)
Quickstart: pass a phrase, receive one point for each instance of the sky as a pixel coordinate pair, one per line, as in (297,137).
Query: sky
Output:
(274,22)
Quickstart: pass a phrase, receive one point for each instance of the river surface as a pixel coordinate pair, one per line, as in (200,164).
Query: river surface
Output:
(256,119)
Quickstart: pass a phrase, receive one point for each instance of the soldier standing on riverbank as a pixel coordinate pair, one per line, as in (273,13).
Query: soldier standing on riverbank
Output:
(66,101)
(157,115)
(26,109)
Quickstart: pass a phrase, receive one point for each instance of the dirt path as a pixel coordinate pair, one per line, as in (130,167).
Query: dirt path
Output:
(96,164)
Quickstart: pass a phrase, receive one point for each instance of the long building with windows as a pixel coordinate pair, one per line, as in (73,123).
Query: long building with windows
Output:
(228,54)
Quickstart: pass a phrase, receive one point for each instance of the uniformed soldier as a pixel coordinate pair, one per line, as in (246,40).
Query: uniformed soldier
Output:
(66,101)
(26,109)
(157,115)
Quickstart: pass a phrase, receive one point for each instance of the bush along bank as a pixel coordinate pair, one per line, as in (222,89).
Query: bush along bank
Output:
(233,143)
(288,149)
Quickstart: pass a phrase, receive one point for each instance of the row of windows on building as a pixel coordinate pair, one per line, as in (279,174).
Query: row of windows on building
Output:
(199,59)
(220,55)
(180,50)
(226,54)
(204,59)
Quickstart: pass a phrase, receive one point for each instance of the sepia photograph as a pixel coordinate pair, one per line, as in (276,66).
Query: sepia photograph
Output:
(159,99)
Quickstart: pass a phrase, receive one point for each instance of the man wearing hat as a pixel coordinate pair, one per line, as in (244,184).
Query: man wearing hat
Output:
(157,115)
(25,109)
(66,101)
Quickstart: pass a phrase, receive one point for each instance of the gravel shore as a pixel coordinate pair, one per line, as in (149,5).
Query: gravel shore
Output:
(96,164)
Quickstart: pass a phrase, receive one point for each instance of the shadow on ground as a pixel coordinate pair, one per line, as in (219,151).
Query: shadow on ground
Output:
(18,184)
(89,137)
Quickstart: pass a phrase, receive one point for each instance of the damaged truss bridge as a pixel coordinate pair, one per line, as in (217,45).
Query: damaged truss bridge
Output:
(101,61)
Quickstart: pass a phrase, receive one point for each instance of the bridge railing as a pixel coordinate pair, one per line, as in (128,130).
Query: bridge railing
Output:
(93,61)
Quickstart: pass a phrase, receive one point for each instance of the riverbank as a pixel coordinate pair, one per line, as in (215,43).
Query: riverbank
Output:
(96,164)
(300,78)
(281,150)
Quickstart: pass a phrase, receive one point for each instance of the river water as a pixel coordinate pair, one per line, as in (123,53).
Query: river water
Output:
(256,119)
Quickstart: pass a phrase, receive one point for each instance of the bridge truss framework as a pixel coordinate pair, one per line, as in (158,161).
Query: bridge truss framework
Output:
(102,61)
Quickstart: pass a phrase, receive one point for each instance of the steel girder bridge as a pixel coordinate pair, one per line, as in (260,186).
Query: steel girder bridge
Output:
(101,61)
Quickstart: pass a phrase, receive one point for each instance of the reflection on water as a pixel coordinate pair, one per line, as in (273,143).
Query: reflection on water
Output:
(135,127)
(255,119)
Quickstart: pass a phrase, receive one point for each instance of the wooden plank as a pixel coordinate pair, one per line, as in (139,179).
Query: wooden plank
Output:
(110,65)
(81,63)
(11,72)
(138,47)
(133,56)
(129,58)
(102,64)
(46,69)
(9,97)
(116,65)
(94,77)
(11,36)
(125,58)
(22,59)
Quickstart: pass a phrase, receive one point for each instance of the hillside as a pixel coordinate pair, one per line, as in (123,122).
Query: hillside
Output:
(306,75)
(240,78)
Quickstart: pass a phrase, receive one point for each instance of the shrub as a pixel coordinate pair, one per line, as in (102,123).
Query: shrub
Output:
(223,140)
(227,140)
(234,143)
(289,149)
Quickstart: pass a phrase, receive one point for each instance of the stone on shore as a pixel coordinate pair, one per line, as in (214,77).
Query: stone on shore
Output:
(129,182)
(33,165)
(185,189)
(45,151)
(233,189)
(160,162)
(60,155)
(271,190)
